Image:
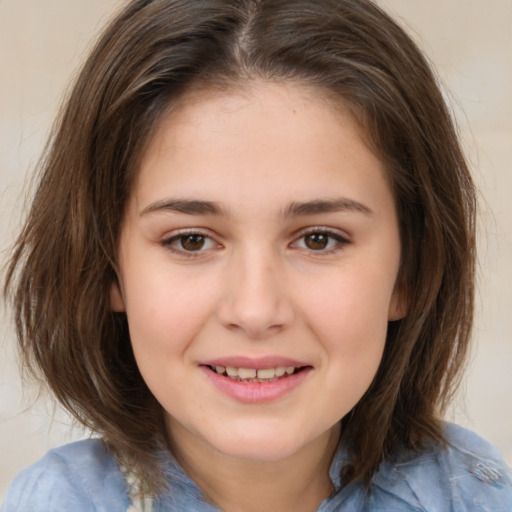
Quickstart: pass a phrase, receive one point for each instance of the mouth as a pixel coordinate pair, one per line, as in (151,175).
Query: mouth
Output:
(256,375)
(256,380)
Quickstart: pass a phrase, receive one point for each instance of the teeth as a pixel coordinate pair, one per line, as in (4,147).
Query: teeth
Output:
(268,373)
(232,372)
(246,373)
(251,373)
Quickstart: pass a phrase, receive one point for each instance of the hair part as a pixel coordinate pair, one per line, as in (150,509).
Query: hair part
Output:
(65,260)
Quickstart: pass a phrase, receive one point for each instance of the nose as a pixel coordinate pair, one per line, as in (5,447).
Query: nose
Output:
(255,298)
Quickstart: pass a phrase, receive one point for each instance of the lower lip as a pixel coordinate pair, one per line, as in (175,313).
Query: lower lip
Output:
(256,392)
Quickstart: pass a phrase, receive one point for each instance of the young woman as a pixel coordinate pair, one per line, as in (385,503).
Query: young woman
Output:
(249,267)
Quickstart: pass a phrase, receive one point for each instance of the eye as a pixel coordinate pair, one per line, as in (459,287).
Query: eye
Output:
(320,241)
(190,243)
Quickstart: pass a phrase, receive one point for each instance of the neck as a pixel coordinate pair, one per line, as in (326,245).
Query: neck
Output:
(299,483)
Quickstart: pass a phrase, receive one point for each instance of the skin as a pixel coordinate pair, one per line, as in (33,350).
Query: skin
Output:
(259,284)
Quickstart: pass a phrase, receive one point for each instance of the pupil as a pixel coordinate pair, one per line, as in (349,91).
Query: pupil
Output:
(317,241)
(192,242)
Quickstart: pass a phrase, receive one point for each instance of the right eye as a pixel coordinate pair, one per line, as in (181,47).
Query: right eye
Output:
(190,243)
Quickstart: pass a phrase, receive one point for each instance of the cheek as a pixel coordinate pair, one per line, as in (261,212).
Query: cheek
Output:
(349,314)
(165,313)
(350,322)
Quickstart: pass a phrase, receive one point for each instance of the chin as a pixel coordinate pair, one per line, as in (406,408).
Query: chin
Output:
(259,445)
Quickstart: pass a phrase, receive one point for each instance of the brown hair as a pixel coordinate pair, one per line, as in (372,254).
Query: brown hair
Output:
(64,261)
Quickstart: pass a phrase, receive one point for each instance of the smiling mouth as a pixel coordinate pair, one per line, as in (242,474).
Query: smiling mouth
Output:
(262,375)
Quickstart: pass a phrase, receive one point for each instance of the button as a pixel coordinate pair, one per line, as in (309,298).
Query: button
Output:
(486,473)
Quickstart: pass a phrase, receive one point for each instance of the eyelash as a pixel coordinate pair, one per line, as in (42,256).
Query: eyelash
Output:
(340,240)
(171,242)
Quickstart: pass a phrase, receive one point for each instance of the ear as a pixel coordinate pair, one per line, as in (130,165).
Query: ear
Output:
(398,305)
(116,298)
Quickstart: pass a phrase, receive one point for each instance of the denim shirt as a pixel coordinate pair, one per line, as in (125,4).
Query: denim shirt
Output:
(467,475)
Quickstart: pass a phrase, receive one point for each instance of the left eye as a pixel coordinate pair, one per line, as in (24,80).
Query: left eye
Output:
(319,241)
(191,242)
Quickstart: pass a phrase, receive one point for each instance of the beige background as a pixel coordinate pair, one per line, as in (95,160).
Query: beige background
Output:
(470,42)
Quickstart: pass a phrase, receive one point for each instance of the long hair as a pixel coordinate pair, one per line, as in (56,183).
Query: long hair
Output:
(65,260)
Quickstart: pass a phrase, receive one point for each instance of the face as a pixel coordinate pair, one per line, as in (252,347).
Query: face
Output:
(258,263)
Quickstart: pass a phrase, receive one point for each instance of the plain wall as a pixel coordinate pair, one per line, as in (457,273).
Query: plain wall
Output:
(43,41)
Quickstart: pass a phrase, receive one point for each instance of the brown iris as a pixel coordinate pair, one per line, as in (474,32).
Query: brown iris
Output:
(192,242)
(316,241)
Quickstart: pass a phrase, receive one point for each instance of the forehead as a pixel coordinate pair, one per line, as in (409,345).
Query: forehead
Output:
(231,142)
(252,103)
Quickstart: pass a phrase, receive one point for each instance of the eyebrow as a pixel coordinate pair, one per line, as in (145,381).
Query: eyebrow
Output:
(294,209)
(318,206)
(186,206)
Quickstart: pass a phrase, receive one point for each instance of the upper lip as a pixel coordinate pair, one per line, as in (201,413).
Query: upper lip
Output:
(254,362)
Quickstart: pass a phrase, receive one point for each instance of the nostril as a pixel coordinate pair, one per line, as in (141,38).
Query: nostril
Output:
(258,314)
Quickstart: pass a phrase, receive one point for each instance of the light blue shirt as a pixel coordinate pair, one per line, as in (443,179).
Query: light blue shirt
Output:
(468,475)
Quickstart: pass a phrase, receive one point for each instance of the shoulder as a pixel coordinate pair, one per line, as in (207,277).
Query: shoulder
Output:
(81,476)
(465,475)
(479,476)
